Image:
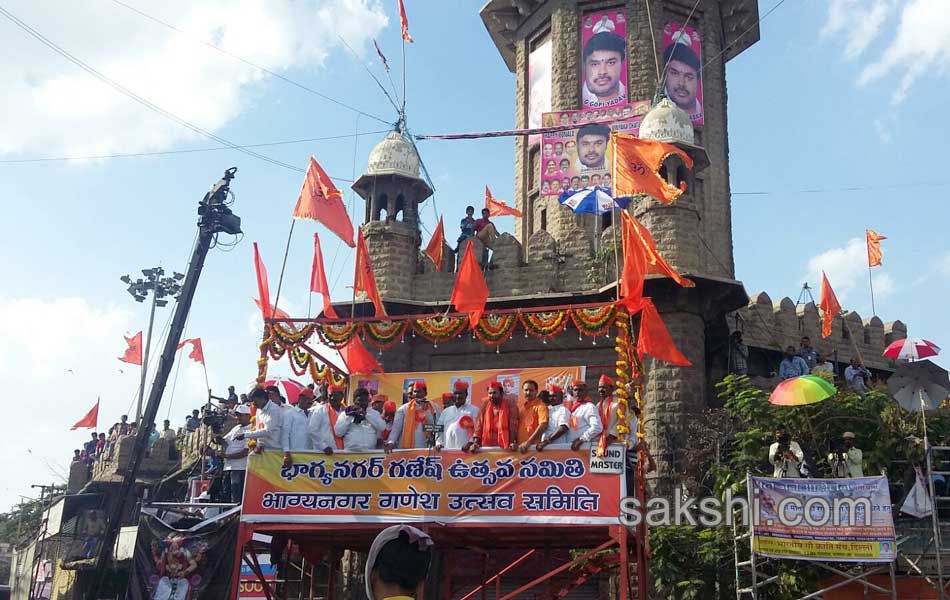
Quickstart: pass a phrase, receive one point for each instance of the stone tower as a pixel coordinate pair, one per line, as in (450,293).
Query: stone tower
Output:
(393,192)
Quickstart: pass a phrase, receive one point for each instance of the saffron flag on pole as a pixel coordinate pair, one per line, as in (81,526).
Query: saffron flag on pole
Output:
(654,338)
(320,201)
(133,354)
(498,208)
(404,23)
(364,280)
(470,292)
(436,244)
(197,353)
(636,166)
(263,291)
(829,306)
(634,264)
(655,263)
(381,57)
(318,278)
(874,248)
(358,359)
(90,421)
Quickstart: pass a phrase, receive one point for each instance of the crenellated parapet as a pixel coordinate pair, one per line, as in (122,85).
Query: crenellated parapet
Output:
(774,325)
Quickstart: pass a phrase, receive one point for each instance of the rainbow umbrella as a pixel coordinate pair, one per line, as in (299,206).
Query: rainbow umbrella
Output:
(799,391)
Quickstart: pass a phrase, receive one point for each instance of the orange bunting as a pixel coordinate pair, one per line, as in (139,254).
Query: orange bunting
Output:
(636,167)
(470,292)
(320,201)
(829,306)
(364,280)
(874,248)
(436,244)
(498,208)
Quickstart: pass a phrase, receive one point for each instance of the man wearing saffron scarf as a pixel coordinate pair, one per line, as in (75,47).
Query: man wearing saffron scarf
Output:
(607,408)
(323,421)
(457,420)
(411,418)
(559,417)
(585,422)
(497,423)
(533,418)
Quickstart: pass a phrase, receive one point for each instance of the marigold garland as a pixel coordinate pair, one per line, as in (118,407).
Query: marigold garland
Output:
(291,336)
(337,335)
(623,348)
(383,335)
(594,322)
(545,324)
(439,328)
(495,330)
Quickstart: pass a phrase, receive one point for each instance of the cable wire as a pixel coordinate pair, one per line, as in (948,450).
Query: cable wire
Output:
(143,101)
(249,63)
(738,37)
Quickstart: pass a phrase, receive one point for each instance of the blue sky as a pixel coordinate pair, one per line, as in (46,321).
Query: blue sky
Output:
(835,95)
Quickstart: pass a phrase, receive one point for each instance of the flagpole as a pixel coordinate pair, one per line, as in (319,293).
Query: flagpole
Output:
(403,111)
(871,284)
(204,367)
(613,214)
(283,266)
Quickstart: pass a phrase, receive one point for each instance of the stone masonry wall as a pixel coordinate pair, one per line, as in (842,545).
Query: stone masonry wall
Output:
(394,251)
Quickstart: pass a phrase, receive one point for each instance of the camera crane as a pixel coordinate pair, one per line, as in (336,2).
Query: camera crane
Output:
(214,217)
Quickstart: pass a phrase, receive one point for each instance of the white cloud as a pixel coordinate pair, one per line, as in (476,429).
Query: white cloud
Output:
(847,271)
(943,264)
(857,22)
(51,106)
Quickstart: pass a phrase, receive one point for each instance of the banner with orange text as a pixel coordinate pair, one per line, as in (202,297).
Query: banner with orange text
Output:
(417,486)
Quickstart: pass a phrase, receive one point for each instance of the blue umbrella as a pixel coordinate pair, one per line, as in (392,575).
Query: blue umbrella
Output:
(594,200)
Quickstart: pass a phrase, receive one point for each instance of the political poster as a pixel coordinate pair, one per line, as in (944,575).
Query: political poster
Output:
(421,486)
(604,58)
(683,76)
(395,386)
(577,158)
(841,520)
(539,86)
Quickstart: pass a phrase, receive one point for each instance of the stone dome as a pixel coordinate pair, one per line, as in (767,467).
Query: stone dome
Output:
(668,123)
(394,155)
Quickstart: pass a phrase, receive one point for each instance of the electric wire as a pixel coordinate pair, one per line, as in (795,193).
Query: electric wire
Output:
(747,30)
(249,63)
(376,79)
(141,100)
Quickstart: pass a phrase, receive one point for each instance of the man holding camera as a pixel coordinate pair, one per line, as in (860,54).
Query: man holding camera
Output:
(845,459)
(786,456)
(360,425)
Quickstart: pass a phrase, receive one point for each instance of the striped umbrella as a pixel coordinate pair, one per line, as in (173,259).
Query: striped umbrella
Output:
(288,387)
(594,200)
(799,391)
(911,349)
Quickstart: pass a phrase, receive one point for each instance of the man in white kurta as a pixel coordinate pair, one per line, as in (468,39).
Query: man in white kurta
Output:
(457,420)
(268,422)
(585,426)
(323,419)
(414,416)
(360,426)
(296,427)
(559,420)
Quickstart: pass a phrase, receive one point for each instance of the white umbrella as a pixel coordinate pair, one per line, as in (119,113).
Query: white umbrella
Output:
(919,386)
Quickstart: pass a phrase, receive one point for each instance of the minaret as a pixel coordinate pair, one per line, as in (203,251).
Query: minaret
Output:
(393,192)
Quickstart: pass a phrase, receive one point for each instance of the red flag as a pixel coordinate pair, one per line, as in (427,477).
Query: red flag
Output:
(320,201)
(358,360)
(133,354)
(637,167)
(381,57)
(470,292)
(655,338)
(364,280)
(90,421)
(874,248)
(404,22)
(318,278)
(829,306)
(634,264)
(263,291)
(434,249)
(498,208)
(638,241)
(197,353)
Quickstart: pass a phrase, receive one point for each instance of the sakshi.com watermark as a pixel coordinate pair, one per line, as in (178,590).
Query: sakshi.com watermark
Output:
(729,510)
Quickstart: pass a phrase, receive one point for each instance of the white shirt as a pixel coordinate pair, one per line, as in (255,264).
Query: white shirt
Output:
(557,416)
(234,446)
(824,367)
(321,437)
(454,436)
(784,468)
(362,436)
(855,377)
(268,423)
(592,100)
(588,424)
(419,439)
(296,431)
(612,419)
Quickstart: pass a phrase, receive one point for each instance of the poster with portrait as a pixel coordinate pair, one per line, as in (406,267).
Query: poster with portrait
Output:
(539,86)
(604,59)
(683,57)
(577,158)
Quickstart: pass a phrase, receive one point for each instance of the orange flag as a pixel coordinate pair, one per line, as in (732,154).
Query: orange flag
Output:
(634,264)
(133,354)
(829,306)
(470,292)
(364,280)
(404,22)
(91,420)
(197,353)
(320,201)
(655,263)
(434,249)
(655,338)
(318,278)
(636,166)
(358,359)
(874,248)
(498,208)
(263,291)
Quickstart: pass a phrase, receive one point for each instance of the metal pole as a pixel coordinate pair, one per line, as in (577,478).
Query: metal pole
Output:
(934,517)
(148,343)
(871,283)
